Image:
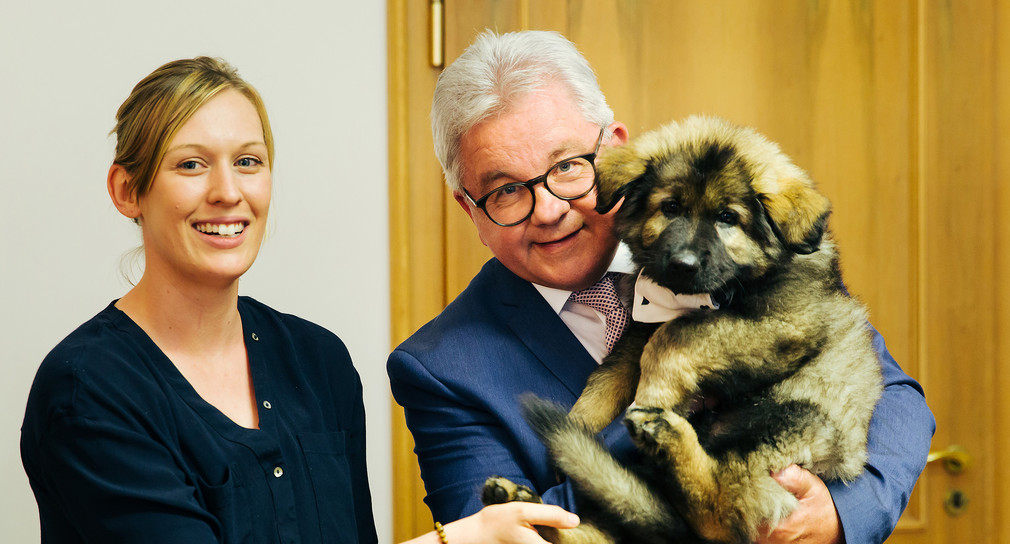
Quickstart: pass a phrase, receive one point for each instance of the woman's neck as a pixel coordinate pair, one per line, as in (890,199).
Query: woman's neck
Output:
(184,318)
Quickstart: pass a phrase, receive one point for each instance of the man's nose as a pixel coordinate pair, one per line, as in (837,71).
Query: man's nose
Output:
(548,208)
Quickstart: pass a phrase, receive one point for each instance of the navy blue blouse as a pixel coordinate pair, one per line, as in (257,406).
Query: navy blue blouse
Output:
(119,447)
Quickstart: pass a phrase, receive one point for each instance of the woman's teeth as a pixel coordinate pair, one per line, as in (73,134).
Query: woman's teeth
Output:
(233,229)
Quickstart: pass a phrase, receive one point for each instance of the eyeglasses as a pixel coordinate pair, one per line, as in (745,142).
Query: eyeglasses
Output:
(513,203)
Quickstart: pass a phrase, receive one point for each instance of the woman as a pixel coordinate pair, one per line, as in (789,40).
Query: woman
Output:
(183,412)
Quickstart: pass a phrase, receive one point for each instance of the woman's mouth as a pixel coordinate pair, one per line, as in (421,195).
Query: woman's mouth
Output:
(227,230)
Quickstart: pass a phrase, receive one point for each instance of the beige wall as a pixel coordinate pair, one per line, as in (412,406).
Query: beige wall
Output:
(67,65)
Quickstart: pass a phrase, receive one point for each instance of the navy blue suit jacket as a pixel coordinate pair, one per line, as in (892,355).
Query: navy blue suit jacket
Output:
(459,376)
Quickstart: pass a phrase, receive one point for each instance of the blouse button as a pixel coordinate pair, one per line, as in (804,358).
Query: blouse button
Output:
(255,337)
(278,472)
(267,405)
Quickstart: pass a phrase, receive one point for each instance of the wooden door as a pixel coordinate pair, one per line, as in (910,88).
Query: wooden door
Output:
(899,111)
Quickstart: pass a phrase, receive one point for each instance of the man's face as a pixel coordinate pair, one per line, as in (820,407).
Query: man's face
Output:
(564,244)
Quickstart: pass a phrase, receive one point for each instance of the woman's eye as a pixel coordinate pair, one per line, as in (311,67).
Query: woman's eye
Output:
(189,165)
(248,162)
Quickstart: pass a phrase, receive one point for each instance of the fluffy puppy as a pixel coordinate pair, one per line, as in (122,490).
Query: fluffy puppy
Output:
(782,372)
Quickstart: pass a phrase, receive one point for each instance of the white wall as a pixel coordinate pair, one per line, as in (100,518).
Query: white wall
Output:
(66,65)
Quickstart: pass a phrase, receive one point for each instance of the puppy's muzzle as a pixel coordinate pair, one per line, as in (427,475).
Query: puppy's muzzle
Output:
(684,263)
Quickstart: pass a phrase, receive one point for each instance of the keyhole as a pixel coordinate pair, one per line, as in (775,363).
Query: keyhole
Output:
(956,502)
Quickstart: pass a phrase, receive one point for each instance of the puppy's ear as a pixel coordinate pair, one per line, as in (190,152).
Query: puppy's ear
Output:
(798,213)
(617,172)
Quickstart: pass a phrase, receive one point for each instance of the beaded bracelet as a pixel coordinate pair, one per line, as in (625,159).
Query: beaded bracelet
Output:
(441,533)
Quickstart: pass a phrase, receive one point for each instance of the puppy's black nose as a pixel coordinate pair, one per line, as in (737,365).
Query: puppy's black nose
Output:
(683,262)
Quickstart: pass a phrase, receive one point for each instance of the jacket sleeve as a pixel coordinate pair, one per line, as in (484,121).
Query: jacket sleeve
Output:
(900,433)
(457,442)
(461,439)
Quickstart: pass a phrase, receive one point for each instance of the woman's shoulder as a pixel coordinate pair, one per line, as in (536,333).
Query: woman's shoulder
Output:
(292,332)
(264,315)
(99,345)
(100,366)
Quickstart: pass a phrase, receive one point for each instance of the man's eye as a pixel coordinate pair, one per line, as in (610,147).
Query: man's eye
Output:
(507,190)
(564,166)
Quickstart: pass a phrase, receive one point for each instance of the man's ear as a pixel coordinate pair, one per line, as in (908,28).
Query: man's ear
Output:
(464,203)
(618,134)
(125,200)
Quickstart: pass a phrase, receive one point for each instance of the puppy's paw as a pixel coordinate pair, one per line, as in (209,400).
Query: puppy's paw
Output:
(647,426)
(498,490)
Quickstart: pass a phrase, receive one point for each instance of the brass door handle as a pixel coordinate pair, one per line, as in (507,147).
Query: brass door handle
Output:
(436,13)
(955,459)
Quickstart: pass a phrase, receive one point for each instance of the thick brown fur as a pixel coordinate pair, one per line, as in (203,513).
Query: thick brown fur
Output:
(783,372)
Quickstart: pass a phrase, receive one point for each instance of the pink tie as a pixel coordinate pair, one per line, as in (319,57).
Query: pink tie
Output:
(602,297)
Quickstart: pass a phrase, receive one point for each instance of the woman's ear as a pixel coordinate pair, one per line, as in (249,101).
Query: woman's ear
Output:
(123,198)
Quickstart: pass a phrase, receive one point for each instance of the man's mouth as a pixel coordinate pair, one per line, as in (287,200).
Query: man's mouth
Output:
(228,230)
(561,239)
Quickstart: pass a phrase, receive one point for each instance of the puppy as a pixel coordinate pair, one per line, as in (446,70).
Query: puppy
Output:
(782,372)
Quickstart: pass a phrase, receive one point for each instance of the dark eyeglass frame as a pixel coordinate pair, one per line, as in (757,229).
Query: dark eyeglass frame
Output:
(591,157)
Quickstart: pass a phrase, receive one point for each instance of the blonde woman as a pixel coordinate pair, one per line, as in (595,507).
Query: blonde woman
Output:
(184,412)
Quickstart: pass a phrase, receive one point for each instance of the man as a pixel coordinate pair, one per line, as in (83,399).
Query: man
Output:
(524,106)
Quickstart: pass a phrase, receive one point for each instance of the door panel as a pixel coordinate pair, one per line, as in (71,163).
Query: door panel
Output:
(960,143)
(897,109)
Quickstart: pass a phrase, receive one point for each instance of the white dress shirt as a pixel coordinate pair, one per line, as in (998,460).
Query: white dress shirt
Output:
(587,324)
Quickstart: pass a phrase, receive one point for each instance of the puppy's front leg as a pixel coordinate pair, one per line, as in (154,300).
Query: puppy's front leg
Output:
(611,387)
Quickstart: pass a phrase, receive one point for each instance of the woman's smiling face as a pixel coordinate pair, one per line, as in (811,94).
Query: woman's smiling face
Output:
(205,214)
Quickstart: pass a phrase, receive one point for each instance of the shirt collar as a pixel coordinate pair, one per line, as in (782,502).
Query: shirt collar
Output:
(557,298)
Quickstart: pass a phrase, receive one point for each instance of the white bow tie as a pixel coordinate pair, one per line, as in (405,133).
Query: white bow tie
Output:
(656,304)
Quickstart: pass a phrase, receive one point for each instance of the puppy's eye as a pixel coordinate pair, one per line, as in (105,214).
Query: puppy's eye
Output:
(670,207)
(729,217)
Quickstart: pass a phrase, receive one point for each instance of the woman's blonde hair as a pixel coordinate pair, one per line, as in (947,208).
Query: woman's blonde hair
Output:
(162,103)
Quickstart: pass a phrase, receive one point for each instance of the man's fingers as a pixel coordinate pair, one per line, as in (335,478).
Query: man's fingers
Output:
(795,480)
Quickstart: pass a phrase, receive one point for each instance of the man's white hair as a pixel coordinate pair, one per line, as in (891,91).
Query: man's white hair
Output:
(495,72)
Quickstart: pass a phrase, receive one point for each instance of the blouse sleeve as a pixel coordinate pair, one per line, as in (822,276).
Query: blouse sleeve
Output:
(359,473)
(113,483)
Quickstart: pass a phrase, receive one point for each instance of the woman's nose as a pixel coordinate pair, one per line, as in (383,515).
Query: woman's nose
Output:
(224,187)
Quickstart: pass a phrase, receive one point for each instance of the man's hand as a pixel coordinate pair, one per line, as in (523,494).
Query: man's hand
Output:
(815,520)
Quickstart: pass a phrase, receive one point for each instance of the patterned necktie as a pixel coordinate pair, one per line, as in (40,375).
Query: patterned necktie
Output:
(602,297)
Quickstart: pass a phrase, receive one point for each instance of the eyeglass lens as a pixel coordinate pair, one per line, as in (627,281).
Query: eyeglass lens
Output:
(567,180)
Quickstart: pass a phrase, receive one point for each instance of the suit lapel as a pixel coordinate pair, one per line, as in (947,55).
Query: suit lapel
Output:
(543,332)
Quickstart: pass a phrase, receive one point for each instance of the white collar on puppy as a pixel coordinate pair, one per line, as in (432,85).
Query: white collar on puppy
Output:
(656,304)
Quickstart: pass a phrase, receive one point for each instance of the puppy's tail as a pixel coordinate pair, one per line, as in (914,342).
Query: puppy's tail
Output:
(595,472)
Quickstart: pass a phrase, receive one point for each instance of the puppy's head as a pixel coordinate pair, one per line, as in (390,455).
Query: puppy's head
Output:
(707,203)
